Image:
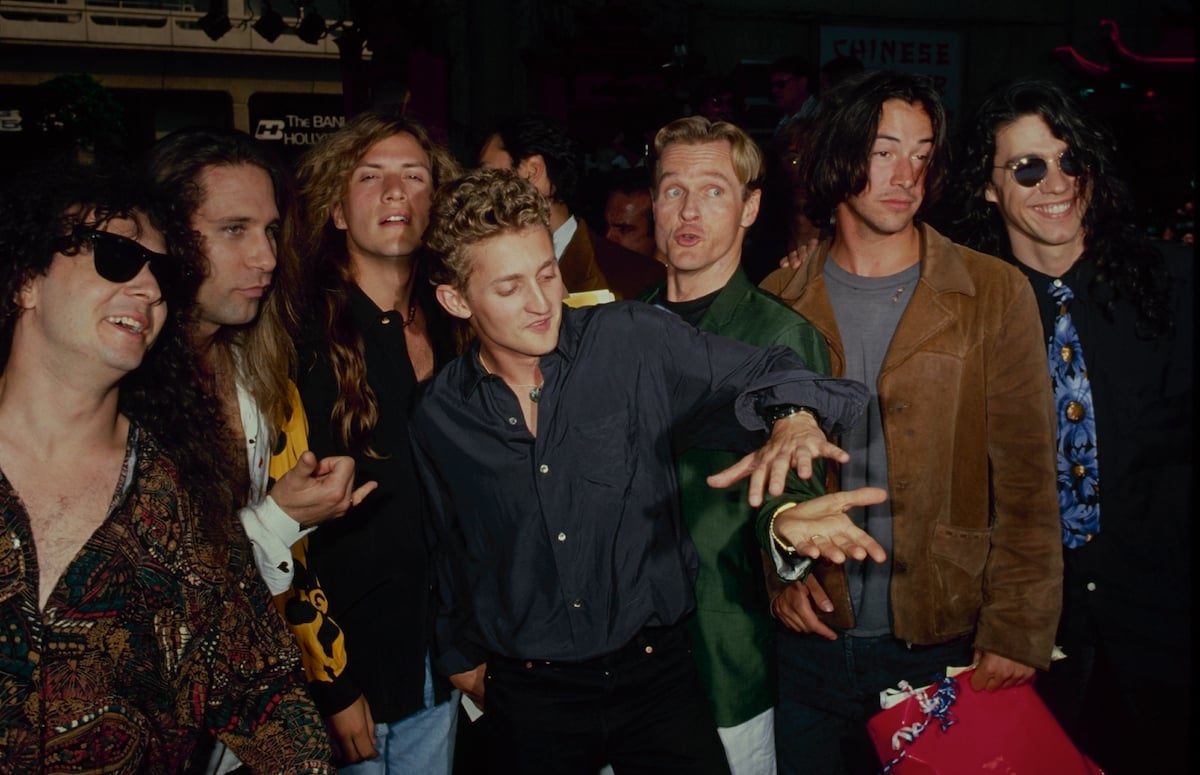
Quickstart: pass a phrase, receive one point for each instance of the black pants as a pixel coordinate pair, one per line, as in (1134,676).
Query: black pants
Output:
(640,709)
(1129,721)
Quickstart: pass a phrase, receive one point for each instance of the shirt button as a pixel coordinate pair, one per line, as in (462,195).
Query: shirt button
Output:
(385,320)
(1057,283)
(577,604)
(562,537)
(512,420)
(1091,586)
(545,469)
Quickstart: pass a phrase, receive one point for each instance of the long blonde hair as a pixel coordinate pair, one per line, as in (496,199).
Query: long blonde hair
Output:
(324,173)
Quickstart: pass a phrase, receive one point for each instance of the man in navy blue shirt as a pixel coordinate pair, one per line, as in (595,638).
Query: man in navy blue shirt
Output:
(563,566)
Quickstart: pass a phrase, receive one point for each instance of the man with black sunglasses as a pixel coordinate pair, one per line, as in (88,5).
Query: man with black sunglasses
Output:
(132,620)
(959,431)
(1040,190)
(119,259)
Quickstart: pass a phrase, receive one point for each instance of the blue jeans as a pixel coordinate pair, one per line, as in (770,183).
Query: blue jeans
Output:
(420,743)
(828,690)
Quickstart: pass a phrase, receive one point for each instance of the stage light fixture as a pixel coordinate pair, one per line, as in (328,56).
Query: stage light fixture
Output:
(312,27)
(215,23)
(270,25)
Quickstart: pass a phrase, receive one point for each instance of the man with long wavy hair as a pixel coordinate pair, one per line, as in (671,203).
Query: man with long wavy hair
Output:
(134,622)
(374,333)
(237,201)
(1040,190)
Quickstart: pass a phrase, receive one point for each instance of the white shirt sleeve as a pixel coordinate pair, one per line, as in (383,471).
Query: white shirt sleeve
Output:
(272,533)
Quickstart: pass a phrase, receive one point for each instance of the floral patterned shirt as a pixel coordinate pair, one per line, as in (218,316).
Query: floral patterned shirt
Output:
(160,630)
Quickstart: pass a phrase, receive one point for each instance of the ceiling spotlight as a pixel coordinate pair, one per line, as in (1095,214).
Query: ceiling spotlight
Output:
(215,23)
(312,27)
(270,25)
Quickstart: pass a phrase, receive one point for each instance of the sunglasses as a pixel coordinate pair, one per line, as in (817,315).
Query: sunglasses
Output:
(119,259)
(1029,171)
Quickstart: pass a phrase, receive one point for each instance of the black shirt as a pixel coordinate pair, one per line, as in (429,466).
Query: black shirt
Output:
(565,545)
(373,564)
(1132,579)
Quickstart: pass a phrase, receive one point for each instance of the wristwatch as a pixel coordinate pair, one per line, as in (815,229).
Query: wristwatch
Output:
(773,414)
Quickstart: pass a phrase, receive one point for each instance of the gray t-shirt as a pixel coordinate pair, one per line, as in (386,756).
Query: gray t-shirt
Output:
(868,309)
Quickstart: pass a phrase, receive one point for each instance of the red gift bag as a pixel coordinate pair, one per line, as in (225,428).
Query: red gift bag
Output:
(948,728)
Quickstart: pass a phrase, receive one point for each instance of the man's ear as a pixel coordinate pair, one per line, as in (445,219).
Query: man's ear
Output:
(27,296)
(453,301)
(990,194)
(338,214)
(533,169)
(750,208)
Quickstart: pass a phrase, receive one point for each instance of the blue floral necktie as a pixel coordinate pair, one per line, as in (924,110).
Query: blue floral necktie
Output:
(1078,468)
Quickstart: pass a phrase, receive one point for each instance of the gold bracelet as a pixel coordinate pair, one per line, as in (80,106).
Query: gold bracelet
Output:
(784,547)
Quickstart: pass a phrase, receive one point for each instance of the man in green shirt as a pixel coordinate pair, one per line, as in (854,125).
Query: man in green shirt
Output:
(707,193)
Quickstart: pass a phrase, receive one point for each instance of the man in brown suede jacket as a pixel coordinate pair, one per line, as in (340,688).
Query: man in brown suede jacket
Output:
(960,431)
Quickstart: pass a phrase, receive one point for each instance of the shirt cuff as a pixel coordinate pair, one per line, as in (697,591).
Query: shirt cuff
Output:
(272,532)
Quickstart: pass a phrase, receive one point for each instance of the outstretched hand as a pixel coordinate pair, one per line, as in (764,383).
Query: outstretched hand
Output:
(317,490)
(821,527)
(796,440)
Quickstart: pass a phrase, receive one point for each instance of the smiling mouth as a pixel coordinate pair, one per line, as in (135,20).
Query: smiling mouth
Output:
(396,219)
(133,325)
(1055,209)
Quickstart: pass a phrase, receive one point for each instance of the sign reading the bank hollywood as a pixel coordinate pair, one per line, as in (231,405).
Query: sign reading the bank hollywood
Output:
(294,120)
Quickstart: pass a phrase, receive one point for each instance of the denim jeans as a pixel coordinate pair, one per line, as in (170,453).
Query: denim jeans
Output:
(420,743)
(828,690)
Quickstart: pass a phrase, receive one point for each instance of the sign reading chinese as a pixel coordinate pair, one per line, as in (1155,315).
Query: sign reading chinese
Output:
(936,53)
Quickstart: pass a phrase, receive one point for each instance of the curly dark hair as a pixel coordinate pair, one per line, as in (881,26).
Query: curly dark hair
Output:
(46,210)
(839,159)
(534,135)
(1127,263)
